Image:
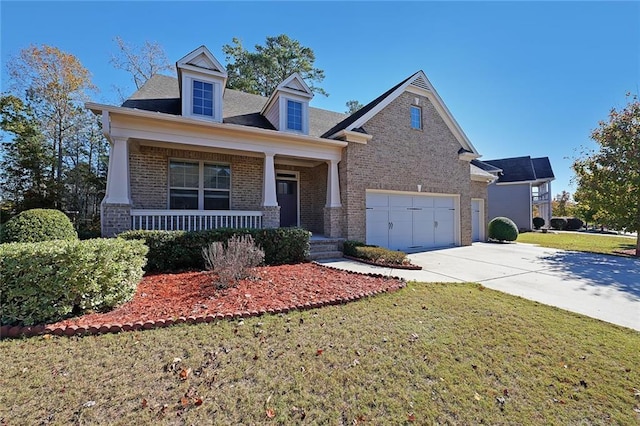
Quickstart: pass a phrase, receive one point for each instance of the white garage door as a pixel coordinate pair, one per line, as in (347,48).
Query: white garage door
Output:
(403,222)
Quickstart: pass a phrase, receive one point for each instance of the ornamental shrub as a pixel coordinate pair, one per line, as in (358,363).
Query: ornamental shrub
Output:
(502,229)
(538,222)
(558,223)
(232,261)
(171,251)
(574,224)
(48,281)
(349,247)
(381,255)
(32,226)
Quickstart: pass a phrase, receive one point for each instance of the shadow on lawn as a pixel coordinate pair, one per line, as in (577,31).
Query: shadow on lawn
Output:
(621,273)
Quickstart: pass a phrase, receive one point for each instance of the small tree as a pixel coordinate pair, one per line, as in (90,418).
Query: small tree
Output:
(142,62)
(609,178)
(353,106)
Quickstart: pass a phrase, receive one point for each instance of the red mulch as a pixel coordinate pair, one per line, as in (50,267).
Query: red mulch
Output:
(186,294)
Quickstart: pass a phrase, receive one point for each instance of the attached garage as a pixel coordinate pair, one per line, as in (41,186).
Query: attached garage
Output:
(412,221)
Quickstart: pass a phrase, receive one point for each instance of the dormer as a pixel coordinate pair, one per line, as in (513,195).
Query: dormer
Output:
(202,80)
(288,106)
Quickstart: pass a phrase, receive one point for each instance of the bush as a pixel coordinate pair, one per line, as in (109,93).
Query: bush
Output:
(233,261)
(181,250)
(32,226)
(349,247)
(574,224)
(381,255)
(558,223)
(538,222)
(502,229)
(48,281)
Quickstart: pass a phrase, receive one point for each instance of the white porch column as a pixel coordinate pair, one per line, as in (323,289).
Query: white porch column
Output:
(269,198)
(118,190)
(333,185)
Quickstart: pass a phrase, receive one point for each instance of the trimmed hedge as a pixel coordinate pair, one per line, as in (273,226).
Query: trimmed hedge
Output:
(538,222)
(181,250)
(373,253)
(502,229)
(48,281)
(35,225)
(558,223)
(574,224)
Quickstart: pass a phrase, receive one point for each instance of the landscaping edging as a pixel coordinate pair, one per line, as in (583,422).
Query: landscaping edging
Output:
(7,331)
(369,262)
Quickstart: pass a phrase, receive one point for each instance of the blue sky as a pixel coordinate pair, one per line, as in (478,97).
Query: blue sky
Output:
(521,78)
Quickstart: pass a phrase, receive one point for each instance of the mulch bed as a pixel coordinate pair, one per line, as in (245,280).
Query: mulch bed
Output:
(165,299)
(628,252)
(407,266)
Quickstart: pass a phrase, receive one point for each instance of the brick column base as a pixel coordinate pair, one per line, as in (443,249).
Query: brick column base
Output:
(333,222)
(270,216)
(114,219)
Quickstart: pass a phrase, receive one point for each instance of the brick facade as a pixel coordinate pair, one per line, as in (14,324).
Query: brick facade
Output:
(114,219)
(400,158)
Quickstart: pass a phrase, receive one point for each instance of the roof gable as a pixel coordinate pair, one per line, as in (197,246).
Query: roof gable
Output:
(202,60)
(417,83)
(522,169)
(296,84)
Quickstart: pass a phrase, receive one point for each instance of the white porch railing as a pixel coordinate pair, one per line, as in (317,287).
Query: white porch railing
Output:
(194,220)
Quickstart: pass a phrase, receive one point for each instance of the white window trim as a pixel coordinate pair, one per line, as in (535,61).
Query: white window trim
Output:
(284,116)
(201,187)
(187,97)
(419,109)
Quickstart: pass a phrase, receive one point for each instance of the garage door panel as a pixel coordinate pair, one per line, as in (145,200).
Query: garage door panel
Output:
(423,202)
(377,200)
(423,228)
(400,234)
(377,227)
(443,202)
(444,227)
(400,201)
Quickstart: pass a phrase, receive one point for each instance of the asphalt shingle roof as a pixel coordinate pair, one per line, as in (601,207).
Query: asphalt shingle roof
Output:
(161,94)
(521,169)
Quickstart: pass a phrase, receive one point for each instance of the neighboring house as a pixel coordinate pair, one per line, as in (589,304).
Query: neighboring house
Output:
(523,183)
(187,153)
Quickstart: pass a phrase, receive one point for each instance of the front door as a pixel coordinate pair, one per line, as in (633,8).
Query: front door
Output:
(287,193)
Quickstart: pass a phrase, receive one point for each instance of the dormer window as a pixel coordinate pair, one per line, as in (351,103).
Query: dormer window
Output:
(202,98)
(294,115)
(202,80)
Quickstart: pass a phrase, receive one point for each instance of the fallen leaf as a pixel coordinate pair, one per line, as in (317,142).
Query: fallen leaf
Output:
(505,392)
(270,413)
(89,404)
(144,403)
(411,418)
(319,352)
(184,401)
(477,396)
(197,402)
(184,373)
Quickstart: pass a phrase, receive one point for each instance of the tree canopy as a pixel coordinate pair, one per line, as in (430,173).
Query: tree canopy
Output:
(261,71)
(609,178)
(353,106)
(142,62)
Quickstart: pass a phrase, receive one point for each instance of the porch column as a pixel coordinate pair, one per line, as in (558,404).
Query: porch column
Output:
(115,209)
(270,208)
(333,207)
(333,185)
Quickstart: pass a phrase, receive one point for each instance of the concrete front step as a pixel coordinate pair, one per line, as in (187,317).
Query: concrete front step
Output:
(325,255)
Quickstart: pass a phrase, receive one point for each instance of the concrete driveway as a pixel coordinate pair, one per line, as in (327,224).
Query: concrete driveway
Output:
(599,286)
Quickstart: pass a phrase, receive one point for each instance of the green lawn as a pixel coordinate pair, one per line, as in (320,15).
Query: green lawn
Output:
(580,242)
(430,353)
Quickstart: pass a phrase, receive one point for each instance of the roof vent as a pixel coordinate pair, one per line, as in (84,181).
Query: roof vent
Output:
(421,83)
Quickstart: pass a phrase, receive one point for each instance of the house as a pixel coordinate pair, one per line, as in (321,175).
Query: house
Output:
(189,153)
(523,185)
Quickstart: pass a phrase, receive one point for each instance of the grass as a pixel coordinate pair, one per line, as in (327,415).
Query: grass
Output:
(430,353)
(579,242)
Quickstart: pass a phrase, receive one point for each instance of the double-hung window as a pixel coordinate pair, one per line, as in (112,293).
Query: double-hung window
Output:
(416,117)
(294,115)
(202,98)
(196,185)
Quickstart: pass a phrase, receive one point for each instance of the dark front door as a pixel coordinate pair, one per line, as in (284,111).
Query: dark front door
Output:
(287,191)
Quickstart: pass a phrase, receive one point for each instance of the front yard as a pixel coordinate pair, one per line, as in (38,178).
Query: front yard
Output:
(593,243)
(430,353)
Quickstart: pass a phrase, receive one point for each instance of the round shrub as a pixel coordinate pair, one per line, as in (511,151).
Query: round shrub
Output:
(574,224)
(502,229)
(538,222)
(32,226)
(558,223)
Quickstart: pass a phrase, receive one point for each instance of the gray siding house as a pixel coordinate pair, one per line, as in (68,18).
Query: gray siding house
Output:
(523,185)
(189,153)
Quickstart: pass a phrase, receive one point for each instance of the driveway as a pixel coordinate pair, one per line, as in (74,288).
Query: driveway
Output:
(599,286)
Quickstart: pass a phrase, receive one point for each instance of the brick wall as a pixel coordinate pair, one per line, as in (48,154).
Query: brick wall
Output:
(399,158)
(149,176)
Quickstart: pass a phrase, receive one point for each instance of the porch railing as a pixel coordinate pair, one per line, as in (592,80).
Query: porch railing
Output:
(194,220)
